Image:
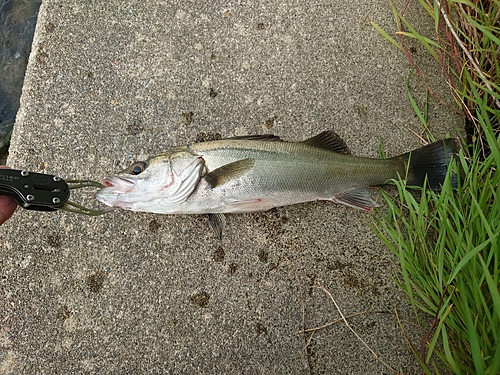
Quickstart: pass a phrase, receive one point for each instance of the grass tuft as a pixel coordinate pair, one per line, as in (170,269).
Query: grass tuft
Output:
(448,243)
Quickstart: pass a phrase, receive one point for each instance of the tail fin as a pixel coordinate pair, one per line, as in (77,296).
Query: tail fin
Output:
(431,161)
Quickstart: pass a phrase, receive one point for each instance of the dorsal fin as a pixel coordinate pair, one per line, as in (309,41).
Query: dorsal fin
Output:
(258,137)
(330,141)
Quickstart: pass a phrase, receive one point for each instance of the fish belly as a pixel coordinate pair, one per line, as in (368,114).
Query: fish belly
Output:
(280,179)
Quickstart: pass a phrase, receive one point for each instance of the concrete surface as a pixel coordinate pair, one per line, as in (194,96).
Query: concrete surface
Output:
(110,82)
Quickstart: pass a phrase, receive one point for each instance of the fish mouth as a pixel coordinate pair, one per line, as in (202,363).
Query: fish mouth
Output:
(118,185)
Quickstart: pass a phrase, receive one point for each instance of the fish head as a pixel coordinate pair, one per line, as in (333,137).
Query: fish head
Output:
(159,184)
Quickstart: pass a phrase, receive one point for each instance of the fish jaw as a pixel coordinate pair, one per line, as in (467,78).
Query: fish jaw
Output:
(129,194)
(115,187)
(118,184)
(151,194)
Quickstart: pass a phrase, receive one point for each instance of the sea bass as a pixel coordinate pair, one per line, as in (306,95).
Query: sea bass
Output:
(256,173)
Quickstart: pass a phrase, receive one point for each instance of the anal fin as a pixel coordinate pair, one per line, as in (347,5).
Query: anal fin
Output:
(357,198)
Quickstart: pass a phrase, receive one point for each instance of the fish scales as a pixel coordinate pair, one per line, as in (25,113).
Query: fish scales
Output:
(288,173)
(255,173)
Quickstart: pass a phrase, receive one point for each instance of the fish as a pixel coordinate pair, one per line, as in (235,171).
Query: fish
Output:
(258,172)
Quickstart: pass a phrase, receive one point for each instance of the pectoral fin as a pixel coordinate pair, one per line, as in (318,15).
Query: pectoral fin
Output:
(357,198)
(229,172)
(217,222)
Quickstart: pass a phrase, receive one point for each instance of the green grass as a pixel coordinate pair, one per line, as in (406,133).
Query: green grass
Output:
(448,243)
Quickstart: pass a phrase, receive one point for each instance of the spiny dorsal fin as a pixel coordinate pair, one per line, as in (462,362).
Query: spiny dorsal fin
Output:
(229,172)
(330,141)
(258,137)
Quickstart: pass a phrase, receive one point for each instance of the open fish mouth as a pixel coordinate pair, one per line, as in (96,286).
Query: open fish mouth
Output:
(118,185)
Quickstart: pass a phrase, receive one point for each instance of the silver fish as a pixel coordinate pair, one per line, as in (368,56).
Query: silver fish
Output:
(256,173)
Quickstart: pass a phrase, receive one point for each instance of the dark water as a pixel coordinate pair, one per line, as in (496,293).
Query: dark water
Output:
(17,26)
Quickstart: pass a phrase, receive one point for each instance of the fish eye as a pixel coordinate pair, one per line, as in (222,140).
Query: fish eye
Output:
(137,168)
